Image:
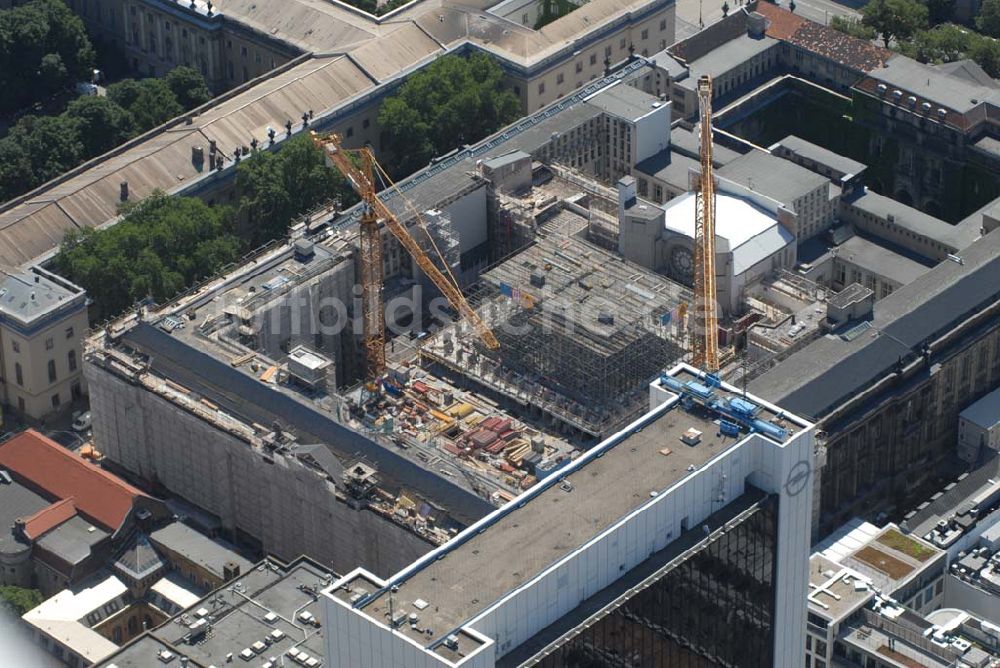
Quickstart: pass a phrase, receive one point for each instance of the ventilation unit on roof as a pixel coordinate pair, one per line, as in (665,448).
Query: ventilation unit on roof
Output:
(881,89)
(451,642)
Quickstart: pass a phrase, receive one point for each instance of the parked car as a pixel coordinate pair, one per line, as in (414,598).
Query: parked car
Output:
(81,422)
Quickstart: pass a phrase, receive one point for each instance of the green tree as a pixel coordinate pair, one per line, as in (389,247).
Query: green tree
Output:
(853,27)
(188,87)
(20,599)
(15,169)
(52,144)
(940,11)
(988,21)
(276,187)
(943,44)
(895,19)
(102,124)
(52,74)
(986,52)
(151,102)
(44,42)
(160,246)
(453,101)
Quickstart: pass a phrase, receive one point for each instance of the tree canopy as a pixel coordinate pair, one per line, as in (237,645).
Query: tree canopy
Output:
(161,245)
(39,148)
(43,48)
(895,19)
(20,599)
(453,101)
(276,187)
(949,42)
(988,21)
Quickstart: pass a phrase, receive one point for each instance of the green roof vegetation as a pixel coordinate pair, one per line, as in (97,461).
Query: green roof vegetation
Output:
(908,546)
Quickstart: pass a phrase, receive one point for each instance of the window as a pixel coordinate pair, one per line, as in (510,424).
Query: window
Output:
(52,371)
(75,392)
(49,344)
(541,88)
(55,400)
(663,25)
(15,346)
(243,52)
(560,78)
(20,408)
(72,360)
(593,59)
(69,332)
(579,67)
(645,34)
(18,374)
(621,43)
(365,123)
(657,193)
(350,131)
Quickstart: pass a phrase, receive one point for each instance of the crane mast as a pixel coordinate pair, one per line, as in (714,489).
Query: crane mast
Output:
(357,167)
(706,340)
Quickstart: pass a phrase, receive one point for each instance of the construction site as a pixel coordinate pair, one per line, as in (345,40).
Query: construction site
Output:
(291,379)
(581,330)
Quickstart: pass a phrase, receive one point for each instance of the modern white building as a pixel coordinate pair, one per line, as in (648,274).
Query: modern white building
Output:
(753,237)
(698,511)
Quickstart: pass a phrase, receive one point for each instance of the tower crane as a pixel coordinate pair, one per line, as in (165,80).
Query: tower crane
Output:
(706,340)
(358,166)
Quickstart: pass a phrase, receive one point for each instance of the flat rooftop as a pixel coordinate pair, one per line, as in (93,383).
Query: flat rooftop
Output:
(822,156)
(625,101)
(882,260)
(564,515)
(266,602)
(728,56)
(30,294)
(781,180)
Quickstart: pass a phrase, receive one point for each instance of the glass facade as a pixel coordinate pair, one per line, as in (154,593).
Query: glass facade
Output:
(714,608)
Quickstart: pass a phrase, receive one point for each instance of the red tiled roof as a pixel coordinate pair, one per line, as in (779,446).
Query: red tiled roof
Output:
(43,463)
(49,518)
(839,47)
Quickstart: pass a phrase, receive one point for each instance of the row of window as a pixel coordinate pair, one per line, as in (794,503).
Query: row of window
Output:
(19,372)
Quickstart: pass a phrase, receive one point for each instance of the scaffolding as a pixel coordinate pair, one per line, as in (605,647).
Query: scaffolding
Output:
(582,331)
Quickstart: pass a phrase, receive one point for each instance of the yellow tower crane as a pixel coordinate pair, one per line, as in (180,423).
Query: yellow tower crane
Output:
(358,167)
(706,339)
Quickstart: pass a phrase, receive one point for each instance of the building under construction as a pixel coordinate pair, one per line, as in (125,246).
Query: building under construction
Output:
(581,330)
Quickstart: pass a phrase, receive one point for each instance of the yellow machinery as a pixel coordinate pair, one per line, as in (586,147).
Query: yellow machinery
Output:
(358,167)
(706,340)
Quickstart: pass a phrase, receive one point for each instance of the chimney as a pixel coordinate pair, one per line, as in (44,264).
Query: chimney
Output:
(198,156)
(123,193)
(626,194)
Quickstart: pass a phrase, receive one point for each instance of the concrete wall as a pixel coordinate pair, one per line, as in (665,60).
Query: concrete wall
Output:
(290,509)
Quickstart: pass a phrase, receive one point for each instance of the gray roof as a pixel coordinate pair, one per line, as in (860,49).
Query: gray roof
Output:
(779,179)
(238,623)
(520,543)
(670,167)
(27,295)
(504,160)
(16,501)
(880,259)
(955,500)
(73,540)
(625,101)
(820,155)
(728,56)
(686,142)
(970,71)
(985,412)
(948,89)
(760,247)
(202,550)
(825,373)
(139,559)
(954,236)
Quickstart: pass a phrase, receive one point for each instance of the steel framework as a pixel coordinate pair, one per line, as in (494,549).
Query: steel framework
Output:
(706,336)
